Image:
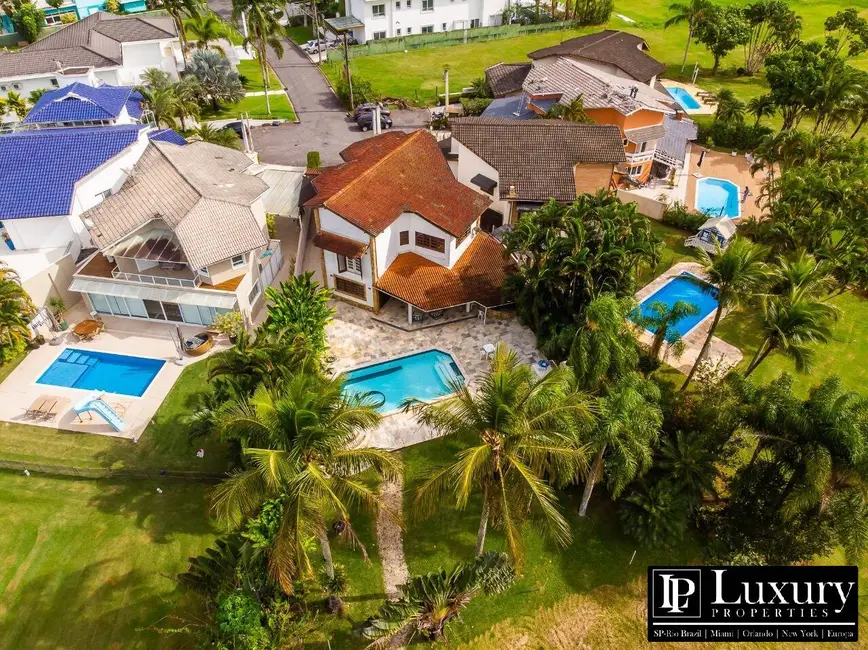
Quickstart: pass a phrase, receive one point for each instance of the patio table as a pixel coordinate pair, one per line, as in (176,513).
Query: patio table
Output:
(87,328)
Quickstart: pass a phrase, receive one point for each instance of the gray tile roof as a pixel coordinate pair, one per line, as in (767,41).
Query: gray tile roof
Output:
(616,48)
(538,156)
(198,190)
(570,78)
(505,78)
(26,62)
(678,134)
(645,133)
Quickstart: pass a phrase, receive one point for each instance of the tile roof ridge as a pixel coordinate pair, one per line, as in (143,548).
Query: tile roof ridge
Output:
(142,19)
(155,145)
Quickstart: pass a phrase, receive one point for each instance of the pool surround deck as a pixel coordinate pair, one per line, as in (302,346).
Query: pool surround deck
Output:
(725,166)
(704,108)
(721,352)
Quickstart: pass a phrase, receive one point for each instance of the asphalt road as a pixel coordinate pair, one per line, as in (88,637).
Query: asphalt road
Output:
(323,124)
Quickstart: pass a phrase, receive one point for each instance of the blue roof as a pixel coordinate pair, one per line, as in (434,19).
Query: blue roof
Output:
(40,168)
(79,102)
(508,107)
(167,135)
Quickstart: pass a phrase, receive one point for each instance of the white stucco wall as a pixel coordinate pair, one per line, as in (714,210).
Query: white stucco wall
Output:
(389,247)
(331,222)
(456,14)
(469,165)
(40,232)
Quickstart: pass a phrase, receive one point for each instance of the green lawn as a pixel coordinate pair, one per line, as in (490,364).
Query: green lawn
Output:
(674,250)
(415,74)
(300,33)
(280,109)
(164,445)
(253,73)
(86,563)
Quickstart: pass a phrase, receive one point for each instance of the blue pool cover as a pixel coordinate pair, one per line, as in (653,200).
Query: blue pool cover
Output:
(683,97)
(681,287)
(717,197)
(113,373)
(423,376)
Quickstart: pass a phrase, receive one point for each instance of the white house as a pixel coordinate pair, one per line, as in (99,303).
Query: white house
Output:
(393,223)
(101,48)
(395,18)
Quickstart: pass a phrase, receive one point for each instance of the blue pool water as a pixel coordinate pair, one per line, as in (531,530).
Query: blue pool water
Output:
(681,288)
(717,197)
(113,373)
(683,97)
(423,376)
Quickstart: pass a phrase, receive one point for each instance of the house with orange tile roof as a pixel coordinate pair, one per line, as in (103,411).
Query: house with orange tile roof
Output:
(393,223)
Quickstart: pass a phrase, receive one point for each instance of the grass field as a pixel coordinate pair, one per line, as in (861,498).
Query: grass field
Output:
(86,563)
(255,105)
(415,74)
(253,73)
(299,34)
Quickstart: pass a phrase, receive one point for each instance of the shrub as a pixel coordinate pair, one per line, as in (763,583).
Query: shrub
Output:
(228,323)
(594,12)
(679,216)
(300,308)
(68,18)
(733,135)
(272,227)
(475,106)
(314,161)
(113,6)
(29,21)
(363,91)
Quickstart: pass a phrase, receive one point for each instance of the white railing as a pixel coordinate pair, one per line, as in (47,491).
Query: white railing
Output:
(271,263)
(666,159)
(157,280)
(639,157)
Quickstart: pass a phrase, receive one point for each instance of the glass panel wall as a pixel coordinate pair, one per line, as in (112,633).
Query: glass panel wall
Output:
(154,309)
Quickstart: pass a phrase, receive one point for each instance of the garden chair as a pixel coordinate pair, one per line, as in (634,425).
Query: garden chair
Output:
(39,405)
(58,404)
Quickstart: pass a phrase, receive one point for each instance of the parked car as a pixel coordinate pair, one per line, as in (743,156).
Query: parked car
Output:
(369,107)
(366,121)
(312,47)
(236,126)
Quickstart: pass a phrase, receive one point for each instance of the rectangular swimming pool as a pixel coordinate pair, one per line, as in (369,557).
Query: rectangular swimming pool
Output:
(681,287)
(684,98)
(90,370)
(424,376)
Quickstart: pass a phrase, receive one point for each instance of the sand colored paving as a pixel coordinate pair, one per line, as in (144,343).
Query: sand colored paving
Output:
(732,168)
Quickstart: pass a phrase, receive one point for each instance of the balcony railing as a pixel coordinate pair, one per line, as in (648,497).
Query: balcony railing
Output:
(635,158)
(157,280)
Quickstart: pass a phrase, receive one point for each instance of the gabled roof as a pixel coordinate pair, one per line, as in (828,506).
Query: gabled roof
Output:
(40,168)
(505,78)
(394,173)
(26,62)
(723,225)
(623,50)
(537,157)
(477,276)
(167,135)
(81,102)
(570,78)
(199,191)
(645,133)
(678,134)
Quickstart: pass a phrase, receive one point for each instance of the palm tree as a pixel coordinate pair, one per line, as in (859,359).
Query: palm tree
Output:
(16,309)
(35,95)
(480,87)
(15,104)
(223,137)
(688,461)
(263,24)
(301,447)
(622,442)
(792,328)
(521,430)
(729,107)
(760,107)
(156,79)
(429,602)
(692,13)
(801,275)
(662,321)
(187,91)
(734,274)
(207,29)
(654,515)
(177,9)
(162,102)
(216,76)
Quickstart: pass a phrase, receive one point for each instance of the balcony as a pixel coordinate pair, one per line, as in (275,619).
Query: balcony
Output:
(98,267)
(157,280)
(638,157)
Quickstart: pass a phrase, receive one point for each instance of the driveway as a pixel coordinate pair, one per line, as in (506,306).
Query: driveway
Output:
(323,124)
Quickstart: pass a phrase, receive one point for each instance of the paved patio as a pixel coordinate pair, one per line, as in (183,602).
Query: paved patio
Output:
(356,339)
(121,336)
(704,108)
(721,352)
(718,164)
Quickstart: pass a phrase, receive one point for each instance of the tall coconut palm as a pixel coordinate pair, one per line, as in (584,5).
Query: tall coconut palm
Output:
(622,442)
(734,275)
(760,107)
(522,432)
(729,107)
(301,447)
(177,9)
(263,24)
(16,309)
(187,93)
(801,276)
(223,137)
(206,30)
(15,103)
(662,321)
(692,13)
(792,328)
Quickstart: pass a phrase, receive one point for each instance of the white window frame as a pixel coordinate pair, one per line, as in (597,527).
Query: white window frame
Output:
(381,35)
(634,170)
(255,292)
(429,4)
(238,261)
(475,23)
(349,264)
(378,11)
(409,31)
(427,29)
(445,29)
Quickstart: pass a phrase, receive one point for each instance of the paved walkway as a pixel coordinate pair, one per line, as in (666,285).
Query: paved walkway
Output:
(390,540)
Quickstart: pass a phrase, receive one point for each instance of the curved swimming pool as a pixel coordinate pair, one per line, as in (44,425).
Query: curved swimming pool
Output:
(718,197)
(685,99)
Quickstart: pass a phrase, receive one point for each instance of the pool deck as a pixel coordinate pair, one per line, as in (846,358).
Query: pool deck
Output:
(721,353)
(704,109)
(121,336)
(736,169)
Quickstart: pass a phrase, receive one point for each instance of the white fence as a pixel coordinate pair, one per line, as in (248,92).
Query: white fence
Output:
(273,264)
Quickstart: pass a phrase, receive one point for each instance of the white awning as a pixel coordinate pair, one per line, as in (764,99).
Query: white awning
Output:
(217,299)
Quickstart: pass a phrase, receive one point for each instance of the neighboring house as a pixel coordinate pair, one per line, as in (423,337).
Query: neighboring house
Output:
(639,111)
(611,51)
(82,105)
(396,18)
(184,239)
(716,230)
(50,177)
(506,79)
(522,164)
(392,222)
(101,48)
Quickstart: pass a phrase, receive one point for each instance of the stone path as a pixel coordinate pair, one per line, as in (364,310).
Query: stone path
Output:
(390,540)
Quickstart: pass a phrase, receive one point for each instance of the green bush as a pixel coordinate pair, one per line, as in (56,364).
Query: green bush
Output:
(679,216)
(475,106)
(29,21)
(68,18)
(314,161)
(733,135)
(272,227)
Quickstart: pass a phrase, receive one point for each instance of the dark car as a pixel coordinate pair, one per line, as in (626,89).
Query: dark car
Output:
(236,126)
(369,107)
(366,121)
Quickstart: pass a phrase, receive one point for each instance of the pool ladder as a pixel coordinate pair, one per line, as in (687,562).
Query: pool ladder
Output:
(446,373)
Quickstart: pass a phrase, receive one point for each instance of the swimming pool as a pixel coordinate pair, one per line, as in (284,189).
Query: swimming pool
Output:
(718,197)
(113,373)
(681,287)
(424,376)
(688,102)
